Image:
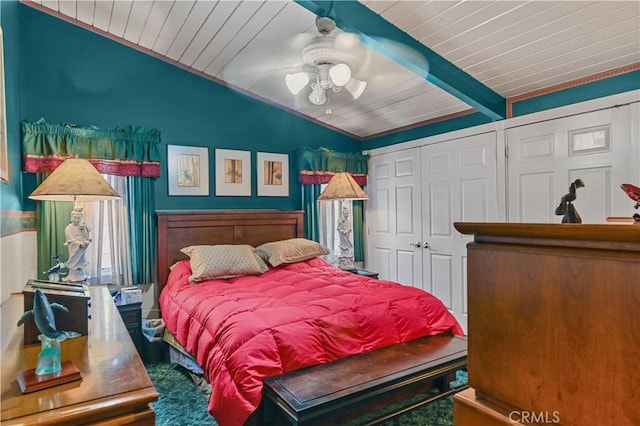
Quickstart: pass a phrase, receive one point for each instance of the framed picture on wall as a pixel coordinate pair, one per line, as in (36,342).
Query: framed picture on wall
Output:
(188,170)
(273,175)
(4,153)
(233,172)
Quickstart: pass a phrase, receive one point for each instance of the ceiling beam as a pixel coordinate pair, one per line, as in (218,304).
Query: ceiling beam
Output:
(352,16)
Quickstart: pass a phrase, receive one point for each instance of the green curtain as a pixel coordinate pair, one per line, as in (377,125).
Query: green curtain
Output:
(130,151)
(357,212)
(310,194)
(127,151)
(50,215)
(142,236)
(317,166)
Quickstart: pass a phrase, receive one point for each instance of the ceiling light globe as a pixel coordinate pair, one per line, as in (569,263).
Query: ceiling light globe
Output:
(356,87)
(296,82)
(340,74)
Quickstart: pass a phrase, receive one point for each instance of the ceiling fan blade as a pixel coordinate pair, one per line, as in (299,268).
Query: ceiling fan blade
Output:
(400,53)
(344,41)
(260,58)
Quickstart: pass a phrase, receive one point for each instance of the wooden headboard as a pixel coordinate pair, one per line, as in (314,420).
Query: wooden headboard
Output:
(182,228)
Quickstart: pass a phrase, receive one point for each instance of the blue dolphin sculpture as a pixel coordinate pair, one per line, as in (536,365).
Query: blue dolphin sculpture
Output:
(42,313)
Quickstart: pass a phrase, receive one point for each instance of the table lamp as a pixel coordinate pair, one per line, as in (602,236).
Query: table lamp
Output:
(75,180)
(343,187)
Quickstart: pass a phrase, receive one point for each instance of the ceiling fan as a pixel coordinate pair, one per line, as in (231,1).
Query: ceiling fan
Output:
(329,62)
(321,68)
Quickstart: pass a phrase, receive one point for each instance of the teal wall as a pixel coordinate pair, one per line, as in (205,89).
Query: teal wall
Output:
(445,126)
(65,73)
(72,75)
(11,193)
(597,89)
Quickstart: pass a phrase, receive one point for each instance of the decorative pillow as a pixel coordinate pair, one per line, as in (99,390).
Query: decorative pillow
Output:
(290,251)
(223,261)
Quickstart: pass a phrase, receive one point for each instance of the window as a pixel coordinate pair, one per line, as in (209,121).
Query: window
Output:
(328,214)
(108,254)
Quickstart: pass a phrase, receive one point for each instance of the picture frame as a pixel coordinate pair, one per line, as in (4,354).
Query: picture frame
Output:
(4,151)
(273,174)
(233,172)
(188,170)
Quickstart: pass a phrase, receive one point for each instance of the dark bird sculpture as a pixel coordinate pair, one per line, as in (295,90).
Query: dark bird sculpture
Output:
(566,208)
(42,313)
(55,269)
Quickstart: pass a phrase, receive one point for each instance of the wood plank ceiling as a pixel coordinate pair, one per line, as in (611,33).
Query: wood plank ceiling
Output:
(479,52)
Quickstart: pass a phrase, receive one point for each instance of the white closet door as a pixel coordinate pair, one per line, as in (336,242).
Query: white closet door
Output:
(544,158)
(393,216)
(459,183)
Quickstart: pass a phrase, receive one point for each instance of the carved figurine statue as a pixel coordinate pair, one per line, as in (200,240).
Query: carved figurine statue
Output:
(42,314)
(566,208)
(633,192)
(346,246)
(77,240)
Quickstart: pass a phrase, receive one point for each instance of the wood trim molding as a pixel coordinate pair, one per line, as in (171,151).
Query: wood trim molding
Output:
(569,84)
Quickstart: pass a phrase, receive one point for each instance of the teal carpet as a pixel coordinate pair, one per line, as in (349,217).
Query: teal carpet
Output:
(182,403)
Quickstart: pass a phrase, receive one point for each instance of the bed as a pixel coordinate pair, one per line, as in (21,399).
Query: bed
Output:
(244,329)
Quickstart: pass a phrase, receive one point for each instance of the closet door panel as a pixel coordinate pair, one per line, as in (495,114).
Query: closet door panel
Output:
(460,179)
(546,157)
(394,216)
(536,196)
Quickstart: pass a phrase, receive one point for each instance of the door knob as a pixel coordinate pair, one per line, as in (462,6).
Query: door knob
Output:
(417,244)
(425,245)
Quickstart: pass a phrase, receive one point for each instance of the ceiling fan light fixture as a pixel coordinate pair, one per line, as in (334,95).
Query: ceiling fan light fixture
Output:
(355,87)
(340,74)
(296,82)
(317,96)
(329,63)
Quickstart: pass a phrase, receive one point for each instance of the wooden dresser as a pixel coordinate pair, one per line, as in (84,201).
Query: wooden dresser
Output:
(115,388)
(554,325)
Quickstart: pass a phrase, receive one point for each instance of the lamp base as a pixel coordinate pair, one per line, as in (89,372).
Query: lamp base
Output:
(346,263)
(29,381)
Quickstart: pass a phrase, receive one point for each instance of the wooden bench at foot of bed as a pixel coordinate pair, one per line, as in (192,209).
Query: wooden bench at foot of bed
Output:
(336,391)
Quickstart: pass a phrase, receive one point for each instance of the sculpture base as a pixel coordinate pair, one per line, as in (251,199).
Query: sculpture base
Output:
(30,382)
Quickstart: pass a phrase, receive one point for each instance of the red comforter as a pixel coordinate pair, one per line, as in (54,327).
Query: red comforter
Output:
(245,329)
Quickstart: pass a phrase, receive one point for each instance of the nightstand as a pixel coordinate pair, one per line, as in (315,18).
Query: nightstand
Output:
(365,273)
(132,317)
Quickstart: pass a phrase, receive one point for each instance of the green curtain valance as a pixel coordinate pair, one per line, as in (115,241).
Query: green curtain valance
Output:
(316,166)
(126,151)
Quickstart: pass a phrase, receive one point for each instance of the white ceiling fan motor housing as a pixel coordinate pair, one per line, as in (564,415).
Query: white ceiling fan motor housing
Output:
(322,50)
